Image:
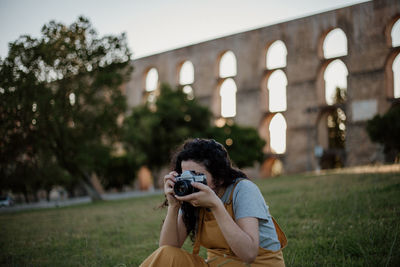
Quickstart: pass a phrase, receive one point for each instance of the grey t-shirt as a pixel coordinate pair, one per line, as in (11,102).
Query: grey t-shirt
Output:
(249,202)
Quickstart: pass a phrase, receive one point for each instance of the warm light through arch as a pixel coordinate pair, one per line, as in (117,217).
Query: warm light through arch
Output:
(228,98)
(277,131)
(152,80)
(188,90)
(335,75)
(335,44)
(227,65)
(277,83)
(396,76)
(395,34)
(186,73)
(276,55)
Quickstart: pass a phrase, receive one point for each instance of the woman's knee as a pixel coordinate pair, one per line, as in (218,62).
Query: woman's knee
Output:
(169,249)
(172,256)
(164,255)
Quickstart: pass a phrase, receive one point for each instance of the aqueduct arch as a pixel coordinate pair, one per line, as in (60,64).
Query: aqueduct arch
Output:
(369,59)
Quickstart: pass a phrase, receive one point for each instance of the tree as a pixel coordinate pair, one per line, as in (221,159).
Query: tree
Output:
(61,97)
(244,145)
(120,171)
(336,123)
(154,131)
(385,130)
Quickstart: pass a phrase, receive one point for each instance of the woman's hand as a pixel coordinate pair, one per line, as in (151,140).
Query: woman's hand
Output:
(169,182)
(173,231)
(206,197)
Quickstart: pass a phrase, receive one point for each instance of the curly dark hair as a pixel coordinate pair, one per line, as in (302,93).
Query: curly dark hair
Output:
(214,157)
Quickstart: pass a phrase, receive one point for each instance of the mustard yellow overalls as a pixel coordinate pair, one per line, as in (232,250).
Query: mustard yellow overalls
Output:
(218,251)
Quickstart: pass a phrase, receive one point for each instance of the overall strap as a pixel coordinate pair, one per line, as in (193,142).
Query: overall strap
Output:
(196,246)
(202,211)
(281,235)
(233,189)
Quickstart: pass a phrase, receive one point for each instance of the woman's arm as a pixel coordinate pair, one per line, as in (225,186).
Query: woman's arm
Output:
(173,231)
(242,236)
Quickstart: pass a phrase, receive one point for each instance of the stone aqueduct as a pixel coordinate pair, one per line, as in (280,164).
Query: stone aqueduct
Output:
(371,52)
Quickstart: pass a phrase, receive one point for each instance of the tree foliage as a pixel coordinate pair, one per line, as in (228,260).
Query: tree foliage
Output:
(385,129)
(154,131)
(244,145)
(60,97)
(120,171)
(337,122)
(333,157)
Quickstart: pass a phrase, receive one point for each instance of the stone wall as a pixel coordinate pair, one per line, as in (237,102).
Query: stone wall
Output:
(369,53)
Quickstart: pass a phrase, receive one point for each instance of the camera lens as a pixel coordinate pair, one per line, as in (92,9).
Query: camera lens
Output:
(181,188)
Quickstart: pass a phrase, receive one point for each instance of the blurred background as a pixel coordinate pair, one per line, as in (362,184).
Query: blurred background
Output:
(155,26)
(96,95)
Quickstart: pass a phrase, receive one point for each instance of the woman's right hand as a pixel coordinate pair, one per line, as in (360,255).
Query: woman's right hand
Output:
(169,182)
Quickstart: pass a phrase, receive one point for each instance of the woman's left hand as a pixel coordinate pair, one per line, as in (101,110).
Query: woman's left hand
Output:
(206,197)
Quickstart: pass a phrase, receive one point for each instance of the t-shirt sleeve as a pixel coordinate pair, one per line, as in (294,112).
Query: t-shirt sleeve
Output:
(248,201)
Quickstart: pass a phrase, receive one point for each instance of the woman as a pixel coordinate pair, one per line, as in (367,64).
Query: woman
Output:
(228,216)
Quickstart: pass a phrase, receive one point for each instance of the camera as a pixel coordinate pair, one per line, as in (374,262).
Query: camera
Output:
(183,182)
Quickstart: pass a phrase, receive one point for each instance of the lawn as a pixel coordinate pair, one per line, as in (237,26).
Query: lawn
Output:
(330,220)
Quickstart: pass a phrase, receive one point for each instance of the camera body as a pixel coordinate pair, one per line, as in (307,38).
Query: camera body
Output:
(183,182)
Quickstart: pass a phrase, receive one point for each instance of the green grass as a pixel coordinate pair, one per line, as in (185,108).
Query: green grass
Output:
(330,220)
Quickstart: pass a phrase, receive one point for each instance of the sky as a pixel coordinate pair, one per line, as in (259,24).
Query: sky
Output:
(154,26)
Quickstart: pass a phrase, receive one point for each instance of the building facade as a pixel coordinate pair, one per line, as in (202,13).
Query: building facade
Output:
(281,79)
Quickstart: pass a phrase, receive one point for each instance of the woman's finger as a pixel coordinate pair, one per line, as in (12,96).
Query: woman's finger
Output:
(188,198)
(200,186)
(169,183)
(171,176)
(169,187)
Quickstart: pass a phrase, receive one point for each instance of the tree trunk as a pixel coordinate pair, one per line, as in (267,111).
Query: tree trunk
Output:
(35,197)
(25,193)
(48,194)
(157,174)
(86,182)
